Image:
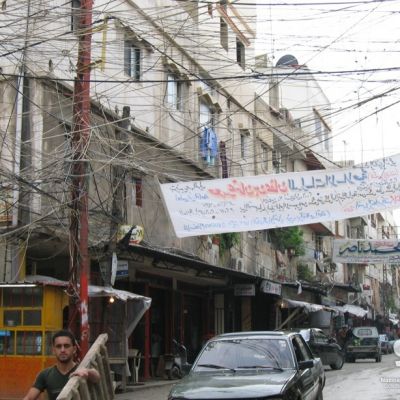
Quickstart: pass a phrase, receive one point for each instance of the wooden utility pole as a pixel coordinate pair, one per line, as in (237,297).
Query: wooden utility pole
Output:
(79,226)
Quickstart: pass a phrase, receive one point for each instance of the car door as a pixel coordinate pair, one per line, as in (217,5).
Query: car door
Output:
(326,349)
(308,376)
(317,346)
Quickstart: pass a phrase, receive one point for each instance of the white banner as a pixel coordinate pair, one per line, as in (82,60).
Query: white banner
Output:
(271,201)
(366,251)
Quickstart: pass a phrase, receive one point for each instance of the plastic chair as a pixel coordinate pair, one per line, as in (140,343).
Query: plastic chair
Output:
(135,355)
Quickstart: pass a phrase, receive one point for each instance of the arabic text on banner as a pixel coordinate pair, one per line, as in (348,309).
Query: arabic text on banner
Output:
(366,251)
(279,200)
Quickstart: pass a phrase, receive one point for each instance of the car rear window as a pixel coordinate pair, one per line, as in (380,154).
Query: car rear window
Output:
(364,332)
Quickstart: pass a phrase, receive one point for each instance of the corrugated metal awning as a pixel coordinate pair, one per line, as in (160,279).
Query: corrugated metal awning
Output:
(352,309)
(309,307)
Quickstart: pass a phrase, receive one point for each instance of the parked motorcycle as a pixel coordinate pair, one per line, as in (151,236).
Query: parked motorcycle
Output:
(176,365)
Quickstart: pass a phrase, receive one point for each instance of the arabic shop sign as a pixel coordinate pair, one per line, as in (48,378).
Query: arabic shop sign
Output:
(271,201)
(243,289)
(271,287)
(365,251)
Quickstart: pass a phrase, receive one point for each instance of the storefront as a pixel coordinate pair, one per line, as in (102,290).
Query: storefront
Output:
(32,311)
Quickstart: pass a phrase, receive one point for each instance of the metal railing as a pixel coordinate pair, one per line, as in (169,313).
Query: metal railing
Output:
(80,389)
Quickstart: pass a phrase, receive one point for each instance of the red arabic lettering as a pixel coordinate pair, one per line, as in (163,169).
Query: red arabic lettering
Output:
(237,189)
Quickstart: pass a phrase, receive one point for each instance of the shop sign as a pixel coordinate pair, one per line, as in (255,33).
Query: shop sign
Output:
(271,287)
(136,233)
(244,290)
(366,251)
(113,269)
(122,268)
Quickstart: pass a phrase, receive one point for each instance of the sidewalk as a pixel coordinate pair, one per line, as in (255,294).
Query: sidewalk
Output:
(156,389)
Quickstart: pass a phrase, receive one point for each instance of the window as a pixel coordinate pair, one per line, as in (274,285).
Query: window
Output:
(319,243)
(75,15)
(12,317)
(223,34)
(320,337)
(174,92)
(240,53)
(264,156)
(32,317)
(7,342)
(132,60)
(23,297)
(301,350)
(242,146)
(244,138)
(318,125)
(244,353)
(137,191)
(206,115)
(48,343)
(373,220)
(29,343)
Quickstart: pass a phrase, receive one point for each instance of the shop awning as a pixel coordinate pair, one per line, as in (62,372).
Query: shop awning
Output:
(308,307)
(352,309)
(94,291)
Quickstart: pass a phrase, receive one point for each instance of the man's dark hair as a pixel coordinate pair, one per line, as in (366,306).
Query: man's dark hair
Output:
(64,333)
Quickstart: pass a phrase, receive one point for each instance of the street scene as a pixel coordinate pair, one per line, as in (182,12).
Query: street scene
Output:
(364,380)
(199,199)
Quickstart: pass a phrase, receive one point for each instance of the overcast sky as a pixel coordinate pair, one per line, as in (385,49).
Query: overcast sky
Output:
(352,40)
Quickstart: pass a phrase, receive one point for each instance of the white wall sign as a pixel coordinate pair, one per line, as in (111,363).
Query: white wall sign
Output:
(122,268)
(365,251)
(271,201)
(271,287)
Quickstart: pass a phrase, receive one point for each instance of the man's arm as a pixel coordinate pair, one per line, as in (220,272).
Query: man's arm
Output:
(33,394)
(90,374)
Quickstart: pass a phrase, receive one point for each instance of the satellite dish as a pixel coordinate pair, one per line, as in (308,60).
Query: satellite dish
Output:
(288,61)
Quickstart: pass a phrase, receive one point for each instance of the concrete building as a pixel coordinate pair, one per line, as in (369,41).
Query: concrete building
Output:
(164,75)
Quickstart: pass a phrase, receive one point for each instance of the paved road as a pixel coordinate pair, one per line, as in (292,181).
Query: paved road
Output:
(147,393)
(363,380)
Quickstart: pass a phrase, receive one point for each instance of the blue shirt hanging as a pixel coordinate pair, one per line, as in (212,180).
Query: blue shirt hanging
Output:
(209,145)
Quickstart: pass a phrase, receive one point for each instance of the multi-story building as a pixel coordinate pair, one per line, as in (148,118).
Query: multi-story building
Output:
(172,99)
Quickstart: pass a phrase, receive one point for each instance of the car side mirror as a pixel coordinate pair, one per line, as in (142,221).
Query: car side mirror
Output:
(306,364)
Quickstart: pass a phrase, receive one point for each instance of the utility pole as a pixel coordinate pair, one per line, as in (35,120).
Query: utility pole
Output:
(79,224)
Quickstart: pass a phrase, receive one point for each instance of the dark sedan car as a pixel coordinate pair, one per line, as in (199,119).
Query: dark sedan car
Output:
(324,347)
(253,365)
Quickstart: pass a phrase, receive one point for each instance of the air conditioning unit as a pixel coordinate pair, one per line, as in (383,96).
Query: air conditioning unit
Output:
(237,264)
(276,158)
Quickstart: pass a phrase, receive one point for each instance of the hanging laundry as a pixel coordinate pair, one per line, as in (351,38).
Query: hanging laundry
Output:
(209,145)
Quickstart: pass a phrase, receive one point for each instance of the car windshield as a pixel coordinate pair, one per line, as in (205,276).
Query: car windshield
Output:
(262,353)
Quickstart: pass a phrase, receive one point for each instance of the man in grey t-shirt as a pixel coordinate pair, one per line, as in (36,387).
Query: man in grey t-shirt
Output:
(53,379)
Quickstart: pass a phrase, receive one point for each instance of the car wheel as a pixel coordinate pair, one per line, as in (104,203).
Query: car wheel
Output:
(378,358)
(339,362)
